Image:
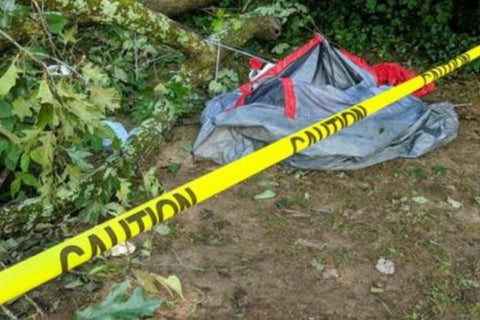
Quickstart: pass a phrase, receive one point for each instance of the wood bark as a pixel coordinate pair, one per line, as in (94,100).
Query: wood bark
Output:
(173,8)
(26,29)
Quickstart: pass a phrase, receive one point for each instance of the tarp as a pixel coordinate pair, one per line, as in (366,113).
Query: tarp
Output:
(310,84)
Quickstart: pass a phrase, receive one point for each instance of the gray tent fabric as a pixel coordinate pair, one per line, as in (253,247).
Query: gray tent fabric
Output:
(324,83)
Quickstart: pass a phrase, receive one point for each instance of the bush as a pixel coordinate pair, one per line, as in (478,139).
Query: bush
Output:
(424,31)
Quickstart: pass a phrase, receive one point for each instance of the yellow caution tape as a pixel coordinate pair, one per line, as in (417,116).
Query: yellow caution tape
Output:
(34,271)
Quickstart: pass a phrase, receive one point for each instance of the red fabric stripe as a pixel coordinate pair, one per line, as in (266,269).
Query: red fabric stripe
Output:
(294,56)
(246,89)
(290,100)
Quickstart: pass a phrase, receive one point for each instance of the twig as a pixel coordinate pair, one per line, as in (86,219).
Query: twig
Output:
(9,313)
(44,26)
(135,51)
(295,213)
(247,4)
(462,105)
(11,136)
(9,38)
(35,305)
(176,256)
(21,48)
(147,62)
(186,266)
(62,63)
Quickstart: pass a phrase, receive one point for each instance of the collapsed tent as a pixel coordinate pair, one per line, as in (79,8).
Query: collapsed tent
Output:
(313,83)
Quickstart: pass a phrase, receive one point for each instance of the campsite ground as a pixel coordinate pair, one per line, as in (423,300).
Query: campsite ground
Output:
(310,252)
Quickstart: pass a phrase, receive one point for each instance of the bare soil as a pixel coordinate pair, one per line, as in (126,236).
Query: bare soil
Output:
(310,252)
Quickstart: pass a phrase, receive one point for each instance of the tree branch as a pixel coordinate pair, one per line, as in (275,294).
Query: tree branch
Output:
(148,138)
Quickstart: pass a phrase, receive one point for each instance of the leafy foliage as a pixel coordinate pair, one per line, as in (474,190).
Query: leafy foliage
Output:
(118,306)
(405,30)
(54,97)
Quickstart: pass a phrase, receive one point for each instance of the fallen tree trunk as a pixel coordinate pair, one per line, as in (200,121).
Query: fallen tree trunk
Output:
(20,218)
(133,16)
(24,29)
(173,8)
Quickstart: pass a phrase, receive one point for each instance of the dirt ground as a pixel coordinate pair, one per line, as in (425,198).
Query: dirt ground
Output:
(310,252)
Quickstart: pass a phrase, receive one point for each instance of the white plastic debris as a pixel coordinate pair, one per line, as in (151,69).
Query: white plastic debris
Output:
(454,203)
(385,266)
(58,70)
(123,249)
(119,130)
(254,74)
(331,274)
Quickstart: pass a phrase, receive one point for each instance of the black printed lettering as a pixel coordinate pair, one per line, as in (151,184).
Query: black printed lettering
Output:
(138,218)
(345,116)
(320,133)
(430,75)
(66,252)
(166,202)
(326,129)
(95,244)
(112,235)
(152,215)
(192,195)
(362,110)
(333,122)
(294,141)
(311,137)
(182,201)
(126,229)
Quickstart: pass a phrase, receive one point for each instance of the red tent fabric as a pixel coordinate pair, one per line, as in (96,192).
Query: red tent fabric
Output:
(389,73)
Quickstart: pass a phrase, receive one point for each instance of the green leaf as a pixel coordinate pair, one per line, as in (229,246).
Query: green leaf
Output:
(162,229)
(117,306)
(124,191)
(146,280)
(105,98)
(11,160)
(172,282)
(120,74)
(267,194)
(44,94)
(15,186)
(420,199)
(5,110)
(92,212)
(55,22)
(80,158)
(37,155)
(477,200)
(29,179)
(69,35)
(174,167)
(281,48)
(43,155)
(95,74)
(7,6)
(45,116)
(8,80)
(25,162)
(23,108)
(318,264)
